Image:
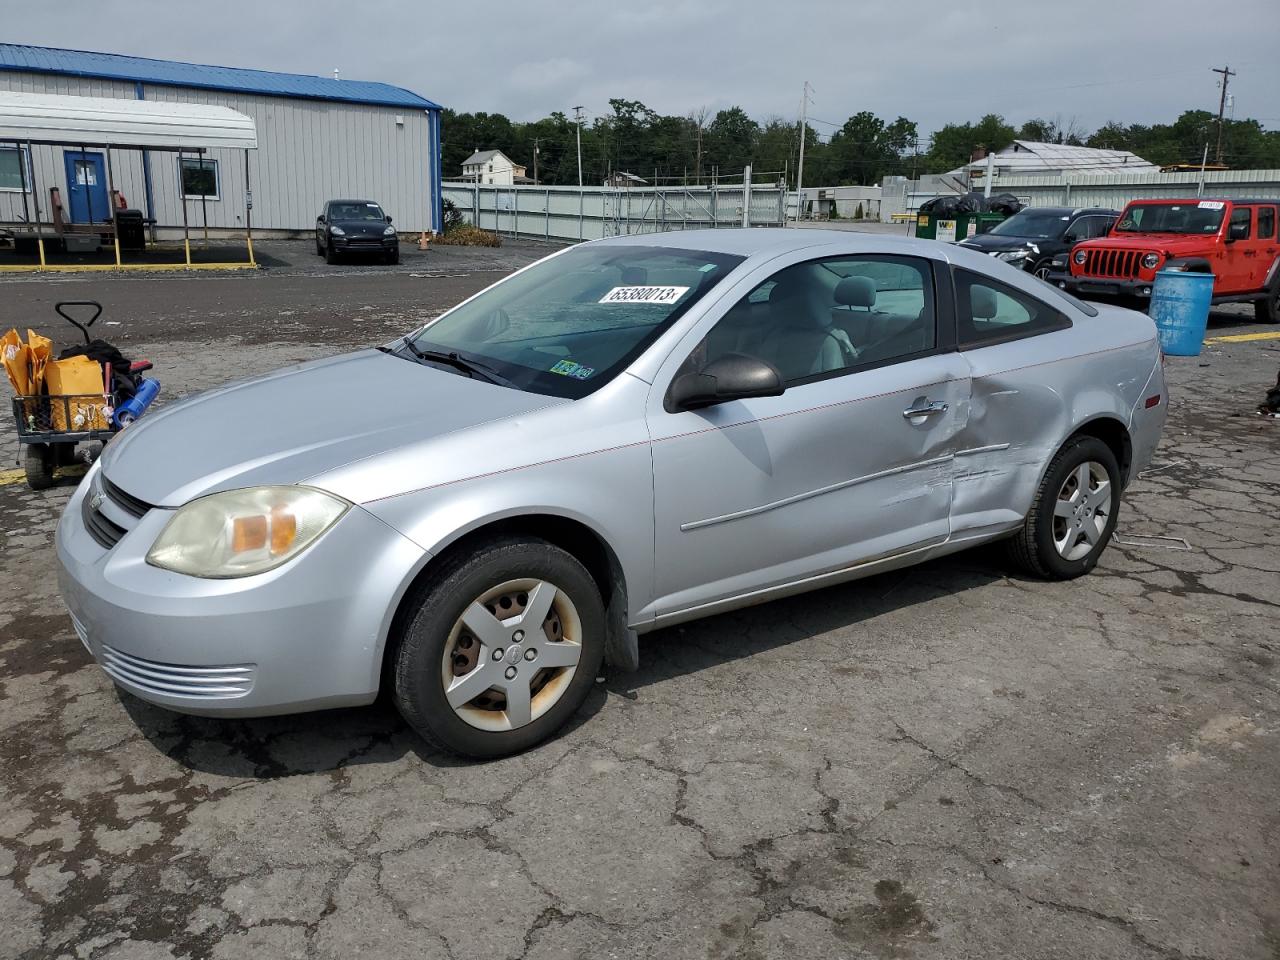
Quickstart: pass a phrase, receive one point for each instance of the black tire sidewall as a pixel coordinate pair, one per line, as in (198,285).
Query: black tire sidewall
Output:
(37,463)
(1267,310)
(1042,262)
(419,692)
(1068,459)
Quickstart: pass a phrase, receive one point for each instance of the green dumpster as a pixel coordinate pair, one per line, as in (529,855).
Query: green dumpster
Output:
(953,227)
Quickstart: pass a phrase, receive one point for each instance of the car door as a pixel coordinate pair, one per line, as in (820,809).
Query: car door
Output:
(1239,253)
(1267,246)
(1007,338)
(850,464)
(322,227)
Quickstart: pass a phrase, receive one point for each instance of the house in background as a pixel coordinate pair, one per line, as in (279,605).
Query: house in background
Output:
(493,166)
(620,179)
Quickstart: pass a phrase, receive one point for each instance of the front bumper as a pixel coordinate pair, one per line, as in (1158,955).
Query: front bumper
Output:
(365,244)
(308,635)
(1101,287)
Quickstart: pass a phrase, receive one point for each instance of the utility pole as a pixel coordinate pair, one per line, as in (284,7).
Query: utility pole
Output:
(1227,74)
(536,141)
(577,117)
(804,129)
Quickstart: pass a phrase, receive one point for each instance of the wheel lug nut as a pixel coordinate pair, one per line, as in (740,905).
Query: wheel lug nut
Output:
(497,654)
(517,636)
(511,673)
(530,653)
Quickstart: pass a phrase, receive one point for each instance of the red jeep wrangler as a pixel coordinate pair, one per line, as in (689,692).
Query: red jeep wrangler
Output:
(1235,240)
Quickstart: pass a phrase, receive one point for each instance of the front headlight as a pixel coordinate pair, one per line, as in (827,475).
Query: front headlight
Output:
(1011,256)
(1151,261)
(1079,257)
(389,232)
(337,231)
(243,532)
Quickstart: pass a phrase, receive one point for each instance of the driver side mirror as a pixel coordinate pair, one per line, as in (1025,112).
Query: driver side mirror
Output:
(1071,237)
(320,219)
(735,376)
(1238,231)
(388,219)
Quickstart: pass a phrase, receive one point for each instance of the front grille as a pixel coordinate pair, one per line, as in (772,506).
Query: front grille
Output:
(129,504)
(1106,262)
(173,680)
(104,531)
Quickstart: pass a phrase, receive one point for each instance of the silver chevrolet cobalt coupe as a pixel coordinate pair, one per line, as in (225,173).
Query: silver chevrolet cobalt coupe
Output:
(625,435)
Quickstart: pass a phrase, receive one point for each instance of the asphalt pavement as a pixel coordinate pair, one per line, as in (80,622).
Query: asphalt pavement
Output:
(949,761)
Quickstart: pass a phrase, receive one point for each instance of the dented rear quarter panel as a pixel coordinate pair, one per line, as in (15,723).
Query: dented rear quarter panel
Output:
(1033,394)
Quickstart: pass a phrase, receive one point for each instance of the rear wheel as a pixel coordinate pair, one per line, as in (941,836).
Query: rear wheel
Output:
(1267,310)
(37,461)
(1074,513)
(501,648)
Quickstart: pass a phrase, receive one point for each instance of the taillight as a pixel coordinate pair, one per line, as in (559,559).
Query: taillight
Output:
(1154,401)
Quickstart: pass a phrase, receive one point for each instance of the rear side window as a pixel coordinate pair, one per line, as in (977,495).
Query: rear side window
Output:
(988,312)
(1266,223)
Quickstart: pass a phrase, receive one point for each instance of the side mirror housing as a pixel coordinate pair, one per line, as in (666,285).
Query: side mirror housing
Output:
(1237,231)
(735,376)
(388,219)
(320,219)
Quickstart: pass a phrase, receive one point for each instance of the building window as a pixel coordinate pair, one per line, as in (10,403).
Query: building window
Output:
(199,178)
(15,170)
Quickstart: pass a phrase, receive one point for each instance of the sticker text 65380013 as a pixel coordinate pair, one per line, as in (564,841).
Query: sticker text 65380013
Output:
(660,295)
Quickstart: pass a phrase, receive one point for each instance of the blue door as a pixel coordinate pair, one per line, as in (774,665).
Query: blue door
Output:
(86,187)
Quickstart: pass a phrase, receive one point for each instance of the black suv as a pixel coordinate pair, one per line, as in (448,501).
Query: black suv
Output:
(356,226)
(1031,237)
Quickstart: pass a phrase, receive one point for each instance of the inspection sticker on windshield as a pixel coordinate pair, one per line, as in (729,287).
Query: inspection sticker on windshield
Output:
(663,295)
(570,368)
(1210,204)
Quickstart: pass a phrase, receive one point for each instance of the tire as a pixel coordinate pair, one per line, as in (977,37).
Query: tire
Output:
(329,255)
(1041,268)
(436,648)
(393,257)
(1267,310)
(319,249)
(1037,547)
(37,460)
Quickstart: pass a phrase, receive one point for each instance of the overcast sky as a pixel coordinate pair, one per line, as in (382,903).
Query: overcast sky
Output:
(933,61)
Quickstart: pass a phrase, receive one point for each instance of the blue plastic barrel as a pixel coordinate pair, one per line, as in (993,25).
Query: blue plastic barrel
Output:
(1180,307)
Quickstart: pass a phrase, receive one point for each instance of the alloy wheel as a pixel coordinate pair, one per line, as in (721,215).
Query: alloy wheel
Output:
(1081,511)
(512,654)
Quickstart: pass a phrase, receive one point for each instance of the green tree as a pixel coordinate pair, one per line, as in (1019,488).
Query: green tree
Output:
(730,140)
(866,149)
(954,144)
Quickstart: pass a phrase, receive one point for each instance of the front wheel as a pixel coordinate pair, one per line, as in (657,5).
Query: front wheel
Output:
(500,648)
(1267,310)
(329,255)
(1073,515)
(393,256)
(1041,269)
(38,463)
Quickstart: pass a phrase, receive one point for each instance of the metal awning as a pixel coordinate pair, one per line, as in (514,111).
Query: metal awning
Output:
(106,122)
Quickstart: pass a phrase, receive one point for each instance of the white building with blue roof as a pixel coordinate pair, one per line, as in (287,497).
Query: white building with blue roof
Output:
(318,138)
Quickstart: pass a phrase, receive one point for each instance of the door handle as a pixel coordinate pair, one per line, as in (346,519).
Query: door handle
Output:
(928,410)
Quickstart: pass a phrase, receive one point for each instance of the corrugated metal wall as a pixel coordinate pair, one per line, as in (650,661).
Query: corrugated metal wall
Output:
(309,151)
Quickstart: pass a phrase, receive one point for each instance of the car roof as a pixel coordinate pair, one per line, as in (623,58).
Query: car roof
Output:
(1068,211)
(765,242)
(352,201)
(1235,201)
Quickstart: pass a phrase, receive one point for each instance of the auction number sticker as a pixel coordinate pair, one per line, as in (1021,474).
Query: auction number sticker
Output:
(659,295)
(1210,204)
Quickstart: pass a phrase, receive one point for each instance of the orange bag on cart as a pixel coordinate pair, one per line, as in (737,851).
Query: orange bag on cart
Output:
(41,349)
(81,378)
(16,357)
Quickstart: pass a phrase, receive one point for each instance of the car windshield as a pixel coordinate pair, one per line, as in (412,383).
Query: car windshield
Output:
(355,210)
(1201,218)
(566,326)
(1036,224)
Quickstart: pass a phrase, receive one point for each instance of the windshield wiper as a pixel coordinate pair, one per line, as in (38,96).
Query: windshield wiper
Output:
(456,361)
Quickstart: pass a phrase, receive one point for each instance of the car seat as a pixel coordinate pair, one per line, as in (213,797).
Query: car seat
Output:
(800,340)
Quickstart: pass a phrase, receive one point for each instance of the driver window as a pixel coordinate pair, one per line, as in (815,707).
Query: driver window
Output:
(826,317)
(1241,217)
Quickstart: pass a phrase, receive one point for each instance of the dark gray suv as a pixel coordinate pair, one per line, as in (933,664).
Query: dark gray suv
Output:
(1031,238)
(356,227)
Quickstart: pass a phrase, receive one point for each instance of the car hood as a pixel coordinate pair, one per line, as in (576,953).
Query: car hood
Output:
(367,228)
(1175,243)
(987,243)
(300,422)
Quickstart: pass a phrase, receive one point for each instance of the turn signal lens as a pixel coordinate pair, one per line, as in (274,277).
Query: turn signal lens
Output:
(284,529)
(248,533)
